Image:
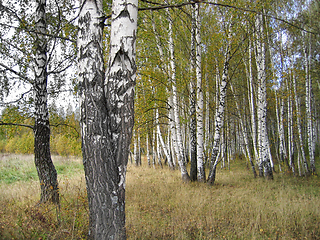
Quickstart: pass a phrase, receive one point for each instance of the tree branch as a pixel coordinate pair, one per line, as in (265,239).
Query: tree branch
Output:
(165,6)
(15,72)
(9,11)
(16,124)
(17,100)
(39,33)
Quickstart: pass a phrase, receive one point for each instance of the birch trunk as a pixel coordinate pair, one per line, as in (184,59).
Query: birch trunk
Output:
(159,155)
(148,151)
(252,104)
(310,130)
(193,121)
(264,161)
(290,131)
(244,133)
(207,120)
(301,146)
(219,121)
(107,111)
(199,106)
(139,149)
(153,148)
(42,156)
(135,149)
(180,152)
(282,146)
(164,147)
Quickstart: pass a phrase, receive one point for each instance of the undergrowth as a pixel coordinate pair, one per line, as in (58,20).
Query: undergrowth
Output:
(160,206)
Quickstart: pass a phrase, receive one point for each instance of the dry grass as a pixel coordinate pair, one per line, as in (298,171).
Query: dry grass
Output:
(159,206)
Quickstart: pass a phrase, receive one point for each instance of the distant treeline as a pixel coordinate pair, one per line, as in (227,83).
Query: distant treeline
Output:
(16,133)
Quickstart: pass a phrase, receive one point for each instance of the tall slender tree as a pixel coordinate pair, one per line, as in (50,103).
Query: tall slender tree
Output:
(45,168)
(264,160)
(308,101)
(199,105)
(219,118)
(177,128)
(193,95)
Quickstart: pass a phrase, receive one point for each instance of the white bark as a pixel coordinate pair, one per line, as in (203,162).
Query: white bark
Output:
(301,146)
(264,161)
(244,133)
(42,156)
(280,121)
(193,96)
(290,130)
(199,105)
(207,118)
(148,151)
(310,130)
(219,119)
(153,148)
(135,148)
(163,145)
(139,149)
(180,151)
(252,103)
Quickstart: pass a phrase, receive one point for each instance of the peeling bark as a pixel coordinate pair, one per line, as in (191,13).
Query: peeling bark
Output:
(45,168)
(265,168)
(193,121)
(219,120)
(107,112)
(199,105)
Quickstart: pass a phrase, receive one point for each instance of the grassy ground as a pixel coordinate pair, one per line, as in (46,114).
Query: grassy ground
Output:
(159,206)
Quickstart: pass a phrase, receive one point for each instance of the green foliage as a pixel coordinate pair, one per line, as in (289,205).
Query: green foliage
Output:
(65,137)
(23,144)
(65,146)
(15,115)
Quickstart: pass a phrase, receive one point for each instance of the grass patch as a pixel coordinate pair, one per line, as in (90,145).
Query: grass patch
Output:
(15,168)
(159,206)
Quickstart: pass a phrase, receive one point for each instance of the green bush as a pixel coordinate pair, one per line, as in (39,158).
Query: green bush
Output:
(65,146)
(20,144)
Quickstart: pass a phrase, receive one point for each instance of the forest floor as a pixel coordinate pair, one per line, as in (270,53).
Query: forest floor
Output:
(160,206)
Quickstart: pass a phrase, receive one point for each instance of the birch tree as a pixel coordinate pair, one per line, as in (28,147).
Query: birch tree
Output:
(179,145)
(301,146)
(193,95)
(219,119)
(45,168)
(107,114)
(28,55)
(308,101)
(251,101)
(164,147)
(290,130)
(199,105)
(264,160)
(244,133)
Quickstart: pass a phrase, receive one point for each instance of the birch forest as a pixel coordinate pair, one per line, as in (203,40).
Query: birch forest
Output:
(195,87)
(221,81)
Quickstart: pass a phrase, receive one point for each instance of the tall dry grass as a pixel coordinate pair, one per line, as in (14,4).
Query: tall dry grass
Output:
(159,206)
